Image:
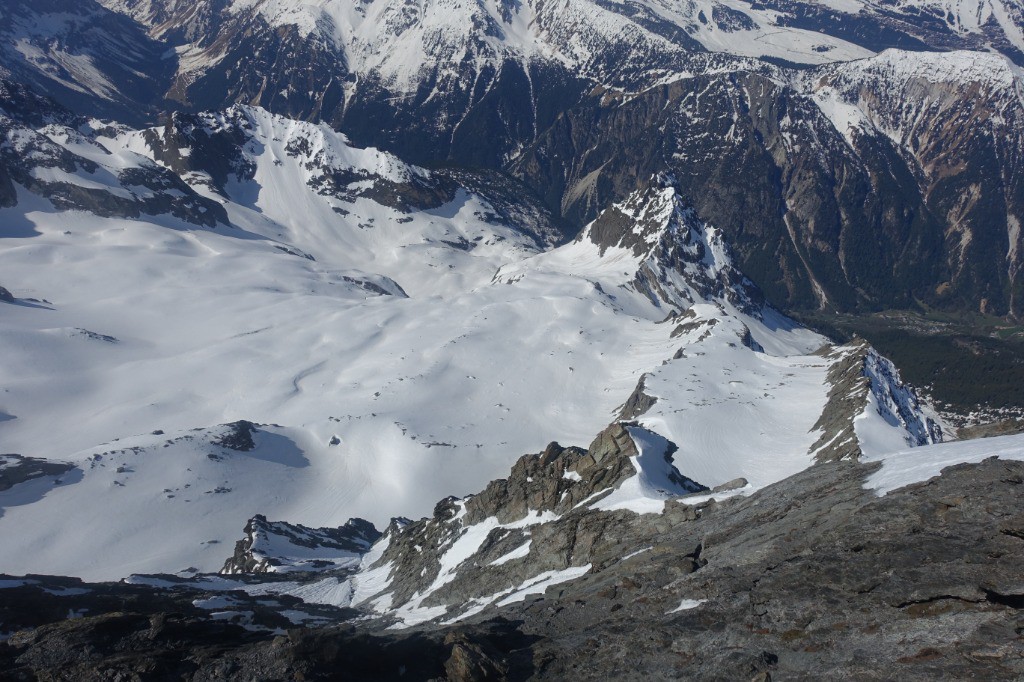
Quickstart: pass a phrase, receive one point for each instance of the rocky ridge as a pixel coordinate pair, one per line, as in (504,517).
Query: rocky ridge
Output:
(860,379)
(50,152)
(519,534)
(276,546)
(567,510)
(921,580)
(682,259)
(830,184)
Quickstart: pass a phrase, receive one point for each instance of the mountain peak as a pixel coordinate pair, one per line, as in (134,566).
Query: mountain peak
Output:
(680,258)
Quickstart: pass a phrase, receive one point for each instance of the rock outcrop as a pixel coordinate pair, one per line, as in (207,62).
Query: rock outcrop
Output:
(537,526)
(814,575)
(43,154)
(276,547)
(860,379)
(15,469)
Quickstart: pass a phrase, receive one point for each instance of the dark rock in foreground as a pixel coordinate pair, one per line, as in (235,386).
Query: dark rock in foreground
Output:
(814,576)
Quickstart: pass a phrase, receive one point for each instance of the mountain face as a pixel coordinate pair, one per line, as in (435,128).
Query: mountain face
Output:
(393,280)
(854,555)
(91,59)
(290,288)
(851,186)
(503,72)
(908,208)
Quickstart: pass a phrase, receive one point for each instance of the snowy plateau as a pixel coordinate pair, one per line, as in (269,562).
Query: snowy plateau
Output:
(283,393)
(413,356)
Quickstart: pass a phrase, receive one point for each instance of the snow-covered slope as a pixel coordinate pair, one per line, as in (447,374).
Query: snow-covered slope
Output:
(411,335)
(982,25)
(906,467)
(389,39)
(304,185)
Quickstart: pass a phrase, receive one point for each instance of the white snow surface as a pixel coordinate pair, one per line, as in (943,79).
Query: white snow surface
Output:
(839,89)
(903,422)
(906,467)
(517,553)
(541,582)
(647,491)
(687,604)
(537,584)
(431,368)
(405,44)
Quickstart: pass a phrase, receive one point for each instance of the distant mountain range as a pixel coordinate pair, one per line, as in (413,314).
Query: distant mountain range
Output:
(865,182)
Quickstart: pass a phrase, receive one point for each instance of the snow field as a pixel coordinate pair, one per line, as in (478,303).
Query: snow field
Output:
(402,369)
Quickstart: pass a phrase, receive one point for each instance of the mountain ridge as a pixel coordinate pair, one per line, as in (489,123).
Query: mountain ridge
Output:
(289,289)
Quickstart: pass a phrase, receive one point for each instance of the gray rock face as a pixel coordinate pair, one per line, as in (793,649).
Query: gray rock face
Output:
(814,575)
(818,218)
(271,546)
(15,469)
(734,484)
(638,402)
(679,264)
(237,436)
(536,521)
(188,143)
(32,160)
(847,397)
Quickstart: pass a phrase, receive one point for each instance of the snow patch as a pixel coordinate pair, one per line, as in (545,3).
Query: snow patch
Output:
(540,583)
(655,482)
(686,605)
(517,553)
(906,467)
